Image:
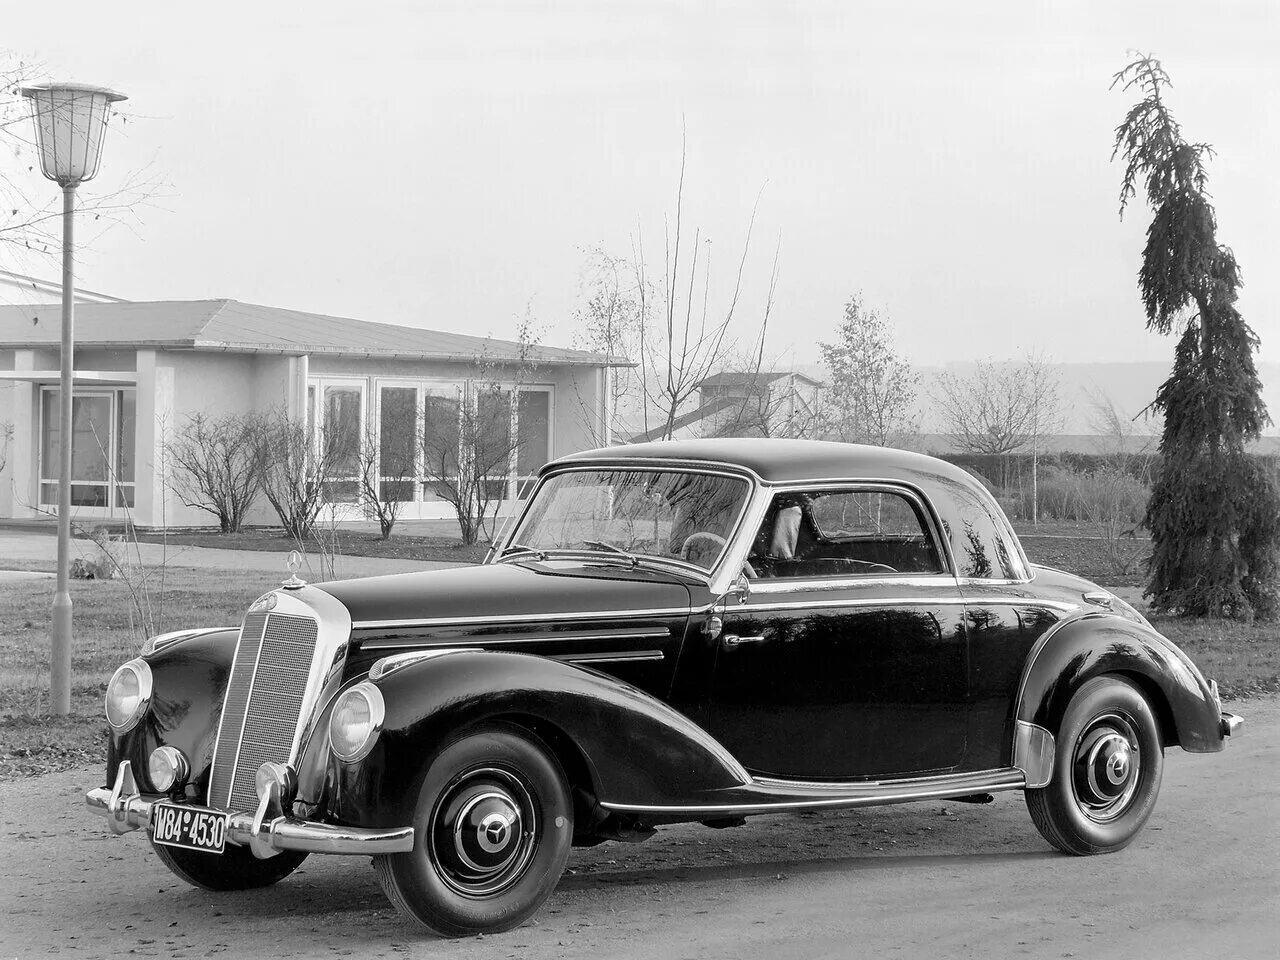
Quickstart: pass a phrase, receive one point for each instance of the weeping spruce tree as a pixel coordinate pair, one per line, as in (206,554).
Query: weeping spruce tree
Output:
(1214,513)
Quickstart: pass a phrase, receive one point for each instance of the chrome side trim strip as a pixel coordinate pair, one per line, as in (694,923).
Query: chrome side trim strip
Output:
(860,795)
(486,643)
(816,585)
(609,657)
(531,618)
(1034,752)
(899,601)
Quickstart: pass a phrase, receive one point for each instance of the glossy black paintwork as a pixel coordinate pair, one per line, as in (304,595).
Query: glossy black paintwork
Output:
(812,699)
(861,680)
(1099,644)
(599,613)
(632,748)
(190,678)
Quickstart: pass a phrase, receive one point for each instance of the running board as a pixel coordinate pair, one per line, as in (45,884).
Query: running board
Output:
(768,795)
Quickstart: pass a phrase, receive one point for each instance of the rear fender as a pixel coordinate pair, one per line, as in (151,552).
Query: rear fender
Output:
(634,748)
(1089,645)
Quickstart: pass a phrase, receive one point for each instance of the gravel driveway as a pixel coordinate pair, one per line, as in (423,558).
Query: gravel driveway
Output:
(927,879)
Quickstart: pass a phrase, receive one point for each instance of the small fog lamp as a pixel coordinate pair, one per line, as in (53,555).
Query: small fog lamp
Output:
(128,696)
(278,773)
(356,722)
(167,769)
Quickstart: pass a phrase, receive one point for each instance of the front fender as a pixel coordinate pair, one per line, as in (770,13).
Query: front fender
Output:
(1092,644)
(190,681)
(635,749)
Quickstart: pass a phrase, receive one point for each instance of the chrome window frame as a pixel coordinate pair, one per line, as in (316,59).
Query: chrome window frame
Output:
(911,493)
(715,577)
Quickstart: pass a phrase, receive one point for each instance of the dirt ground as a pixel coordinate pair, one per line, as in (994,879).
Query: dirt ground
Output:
(929,879)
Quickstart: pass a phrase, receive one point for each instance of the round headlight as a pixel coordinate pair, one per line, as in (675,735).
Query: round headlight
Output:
(128,695)
(167,768)
(356,722)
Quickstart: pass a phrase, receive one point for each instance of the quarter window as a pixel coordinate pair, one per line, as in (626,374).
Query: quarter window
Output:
(831,533)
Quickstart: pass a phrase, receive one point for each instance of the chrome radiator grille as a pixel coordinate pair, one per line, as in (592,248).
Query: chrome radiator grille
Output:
(265,694)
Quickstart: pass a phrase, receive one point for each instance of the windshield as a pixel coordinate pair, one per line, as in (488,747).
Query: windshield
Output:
(666,514)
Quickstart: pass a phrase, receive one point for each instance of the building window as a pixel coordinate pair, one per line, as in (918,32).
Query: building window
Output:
(342,427)
(103,434)
(425,430)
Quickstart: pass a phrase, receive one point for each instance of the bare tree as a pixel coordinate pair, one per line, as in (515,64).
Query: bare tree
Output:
(1002,408)
(871,390)
(611,323)
(999,408)
(297,471)
(217,466)
(674,332)
(30,222)
(6,435)
(470,442)
(388,466)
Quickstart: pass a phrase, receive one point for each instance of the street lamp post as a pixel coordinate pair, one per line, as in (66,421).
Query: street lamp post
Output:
(71,120)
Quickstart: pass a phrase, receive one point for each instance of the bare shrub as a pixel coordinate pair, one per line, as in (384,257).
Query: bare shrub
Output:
(295,472)
(217,466)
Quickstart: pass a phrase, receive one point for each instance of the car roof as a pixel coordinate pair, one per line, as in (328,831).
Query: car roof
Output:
(776,460)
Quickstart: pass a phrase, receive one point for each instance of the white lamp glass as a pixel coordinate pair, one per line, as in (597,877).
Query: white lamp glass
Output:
(71,119)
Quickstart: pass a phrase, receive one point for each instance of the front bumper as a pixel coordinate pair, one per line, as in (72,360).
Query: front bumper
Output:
(266,832)
(1229,724)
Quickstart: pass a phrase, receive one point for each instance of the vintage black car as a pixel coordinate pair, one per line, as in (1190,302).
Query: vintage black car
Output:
(680,631)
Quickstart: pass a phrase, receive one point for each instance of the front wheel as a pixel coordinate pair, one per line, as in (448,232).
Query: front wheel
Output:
(1107,770)
(236,868)
(492,831)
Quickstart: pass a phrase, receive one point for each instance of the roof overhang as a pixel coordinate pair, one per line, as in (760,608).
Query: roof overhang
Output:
(91,377)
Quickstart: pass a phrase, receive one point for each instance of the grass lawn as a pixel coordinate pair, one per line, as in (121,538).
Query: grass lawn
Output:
(354,543)
(106,635)
(1244,658)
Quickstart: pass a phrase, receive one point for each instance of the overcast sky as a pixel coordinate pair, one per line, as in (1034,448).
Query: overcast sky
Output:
(447,164)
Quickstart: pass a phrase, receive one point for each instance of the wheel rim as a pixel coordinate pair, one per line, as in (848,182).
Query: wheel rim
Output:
(484,831)
(1106,767)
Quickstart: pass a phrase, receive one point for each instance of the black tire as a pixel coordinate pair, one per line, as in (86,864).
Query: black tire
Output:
(492,830)
(1106,770)
(236,868)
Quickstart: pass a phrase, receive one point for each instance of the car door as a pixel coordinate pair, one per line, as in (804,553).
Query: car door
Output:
(839,664)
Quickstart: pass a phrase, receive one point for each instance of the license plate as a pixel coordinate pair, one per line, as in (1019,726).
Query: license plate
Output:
(192,828)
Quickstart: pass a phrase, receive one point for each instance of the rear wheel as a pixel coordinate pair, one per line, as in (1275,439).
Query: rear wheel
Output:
(236,868)
(1107,770)
(492,831)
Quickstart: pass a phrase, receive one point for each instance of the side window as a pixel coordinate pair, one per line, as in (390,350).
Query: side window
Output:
(843,533)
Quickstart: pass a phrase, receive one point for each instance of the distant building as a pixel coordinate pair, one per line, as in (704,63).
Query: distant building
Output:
(143,368)
(775,403)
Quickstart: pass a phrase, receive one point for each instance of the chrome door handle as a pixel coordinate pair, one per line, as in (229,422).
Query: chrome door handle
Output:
(733,640)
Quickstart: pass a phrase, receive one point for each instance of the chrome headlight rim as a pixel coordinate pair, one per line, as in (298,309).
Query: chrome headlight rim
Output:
(145,685)
(377,712)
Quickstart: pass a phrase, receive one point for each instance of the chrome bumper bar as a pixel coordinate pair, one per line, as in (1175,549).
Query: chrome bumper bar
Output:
(266,832)
(1229,724)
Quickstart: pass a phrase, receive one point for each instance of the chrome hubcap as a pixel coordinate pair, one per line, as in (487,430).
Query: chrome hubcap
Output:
(483,832)
(1106,767)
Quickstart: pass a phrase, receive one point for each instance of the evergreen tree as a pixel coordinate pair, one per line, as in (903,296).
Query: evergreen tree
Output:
(1214,513)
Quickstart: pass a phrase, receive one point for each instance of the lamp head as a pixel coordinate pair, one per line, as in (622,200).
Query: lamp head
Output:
(71,120)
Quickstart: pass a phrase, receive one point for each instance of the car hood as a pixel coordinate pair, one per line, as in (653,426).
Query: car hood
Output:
(502,591)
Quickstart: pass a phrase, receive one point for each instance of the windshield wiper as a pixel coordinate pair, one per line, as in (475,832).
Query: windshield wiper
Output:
(520,548)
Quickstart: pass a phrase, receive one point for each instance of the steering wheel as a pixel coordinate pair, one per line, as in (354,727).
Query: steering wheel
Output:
(696,539)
